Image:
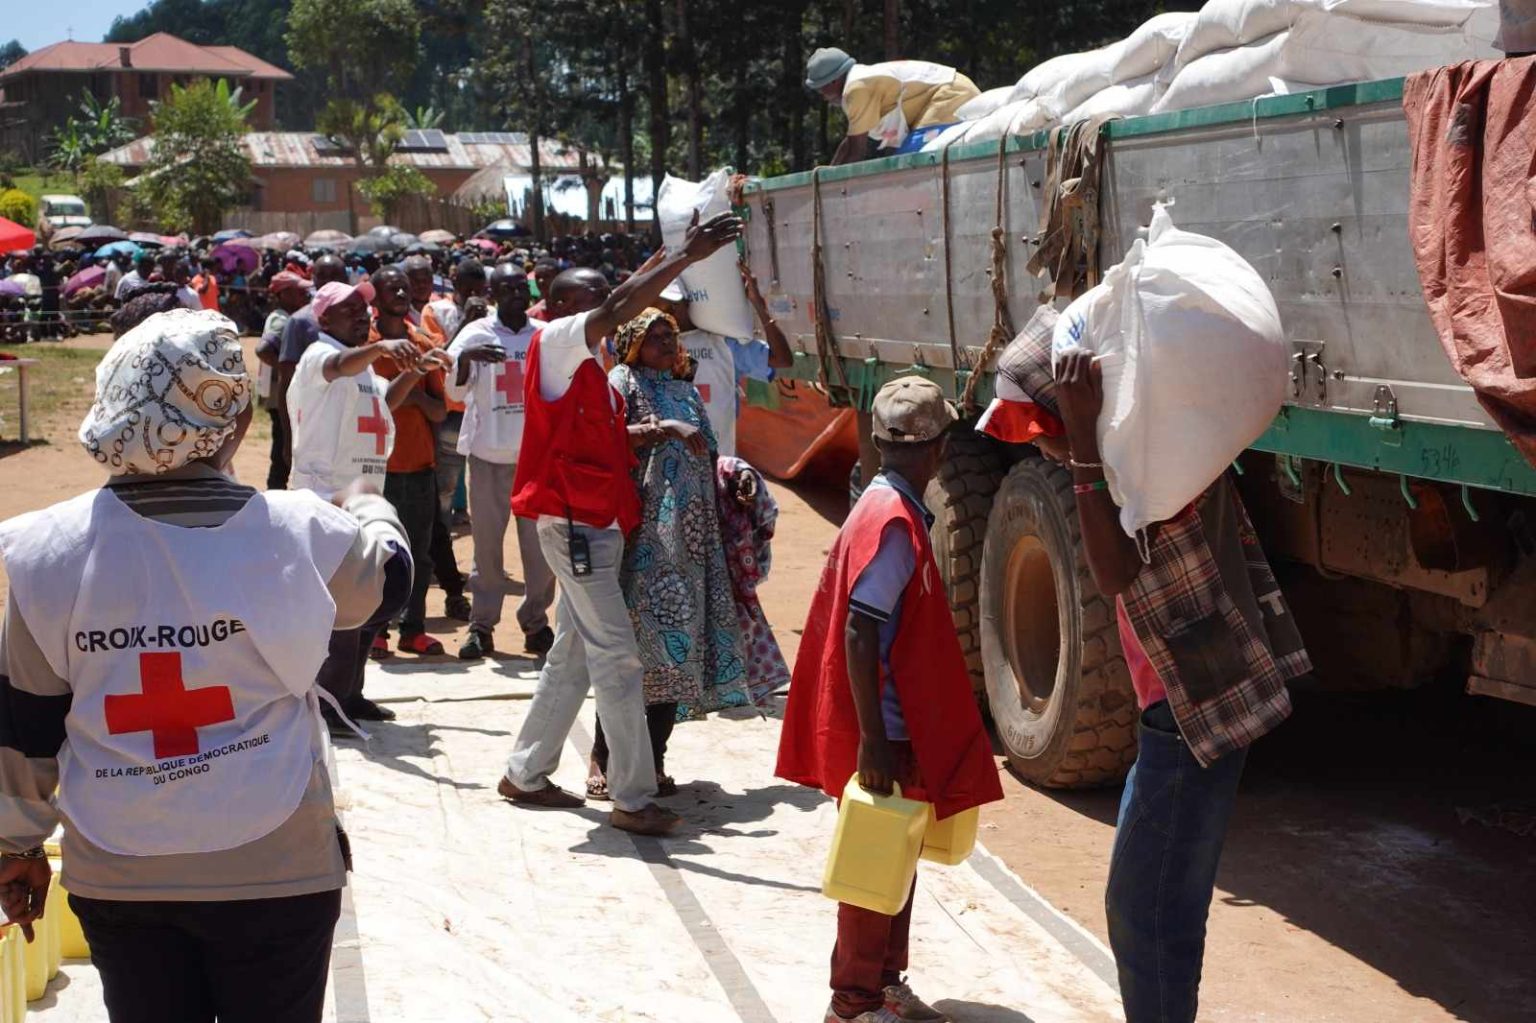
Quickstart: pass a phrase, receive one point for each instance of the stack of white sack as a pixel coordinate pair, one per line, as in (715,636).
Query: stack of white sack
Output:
(1322,48)
(1193,356)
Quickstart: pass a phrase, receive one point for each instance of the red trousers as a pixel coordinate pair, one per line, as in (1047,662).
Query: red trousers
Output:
(871,949)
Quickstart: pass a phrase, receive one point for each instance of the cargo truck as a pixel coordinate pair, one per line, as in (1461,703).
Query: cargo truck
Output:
(1401,521)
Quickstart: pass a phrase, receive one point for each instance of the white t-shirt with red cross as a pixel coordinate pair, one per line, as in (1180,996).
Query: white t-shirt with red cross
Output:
(720,364)
(342,429)
(493,393)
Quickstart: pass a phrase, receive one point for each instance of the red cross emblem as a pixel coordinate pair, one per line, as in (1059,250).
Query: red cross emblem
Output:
(375,424)
(704,392)
(167,709)
(509,382)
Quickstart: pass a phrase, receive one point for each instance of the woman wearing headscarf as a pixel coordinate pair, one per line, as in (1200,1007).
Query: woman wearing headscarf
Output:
(161,641)
(675,580)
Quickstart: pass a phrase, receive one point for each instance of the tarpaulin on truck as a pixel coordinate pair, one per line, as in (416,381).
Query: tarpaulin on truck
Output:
(1472,219)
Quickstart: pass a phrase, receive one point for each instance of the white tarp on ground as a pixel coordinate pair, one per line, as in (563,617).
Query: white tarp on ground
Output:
(467,908)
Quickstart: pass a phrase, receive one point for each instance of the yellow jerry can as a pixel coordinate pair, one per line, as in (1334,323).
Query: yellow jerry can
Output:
(13,976)
(55,917)
(950,841)
(875,849)
(35,955)
(71,937)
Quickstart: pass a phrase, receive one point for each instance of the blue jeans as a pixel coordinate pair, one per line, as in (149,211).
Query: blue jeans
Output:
(1173,821)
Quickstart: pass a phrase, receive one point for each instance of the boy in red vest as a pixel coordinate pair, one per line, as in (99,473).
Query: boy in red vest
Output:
(881,688)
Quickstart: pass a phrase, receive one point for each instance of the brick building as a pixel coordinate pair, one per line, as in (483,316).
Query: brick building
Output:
(42,89)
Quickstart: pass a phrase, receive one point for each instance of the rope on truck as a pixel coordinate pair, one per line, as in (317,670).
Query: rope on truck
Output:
(826,340)
(1002,321)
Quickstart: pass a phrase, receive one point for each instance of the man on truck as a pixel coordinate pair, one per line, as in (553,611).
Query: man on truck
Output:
(892,106)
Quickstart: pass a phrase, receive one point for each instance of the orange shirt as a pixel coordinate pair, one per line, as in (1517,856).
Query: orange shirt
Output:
(415,444)
(207,288)
(433,328)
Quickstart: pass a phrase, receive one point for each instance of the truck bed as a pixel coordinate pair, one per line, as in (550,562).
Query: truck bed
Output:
(1311,188)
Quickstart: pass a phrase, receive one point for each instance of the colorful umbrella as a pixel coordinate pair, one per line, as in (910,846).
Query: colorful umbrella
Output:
(14,237)
(226,235)
(11,286)
(278,241)
(371,244)
(90,277)
(384,231)
(121,248)
(327,240)
(403,240)
(237,258)
(65,237)
(423,248)
(486,244)
(505,228)
(100,234)
(147,239)
(439,236)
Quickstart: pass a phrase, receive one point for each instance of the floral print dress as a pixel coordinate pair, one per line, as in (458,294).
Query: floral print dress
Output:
(676,583)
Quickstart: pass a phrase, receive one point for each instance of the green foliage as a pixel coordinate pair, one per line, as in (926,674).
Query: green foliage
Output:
(99,182)
(198,169)
(11,52)
(18,206)
(96,127)
(385,190)
(362,46)
(424,118)
(11,165)
(372,130)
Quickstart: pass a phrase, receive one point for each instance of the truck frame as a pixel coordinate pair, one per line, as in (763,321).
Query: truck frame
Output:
(1401,521)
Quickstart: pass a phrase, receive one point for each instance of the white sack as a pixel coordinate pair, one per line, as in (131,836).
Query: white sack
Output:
(1194,363)
(717,300)
(1020,118)
(1083,69)
(1128,99)
(1226,76)
(1153,46)
(1223,24)
(949,136)
(981,106)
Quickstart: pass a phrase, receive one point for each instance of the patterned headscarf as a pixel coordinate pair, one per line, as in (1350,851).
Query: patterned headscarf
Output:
(631,336)
(167,393)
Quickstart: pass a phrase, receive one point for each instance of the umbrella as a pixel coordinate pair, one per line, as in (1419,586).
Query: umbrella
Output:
(244,243)
(14,237)
(147,239)
(122,248)
(504,228)
(11,286)
(100,234)
(486,244)
(90,277)
(224,236)
(384,231)
(327,240)
(403,240)
(371,244)
(237,258)
(65,236)
(423,249)
(175,241)
(278,241)
(439,236)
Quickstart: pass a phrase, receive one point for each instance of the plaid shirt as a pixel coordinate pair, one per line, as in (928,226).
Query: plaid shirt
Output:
(1225,678)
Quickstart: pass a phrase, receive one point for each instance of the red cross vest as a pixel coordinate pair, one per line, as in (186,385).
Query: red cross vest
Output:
(191,654)
(819,744)
(575,460)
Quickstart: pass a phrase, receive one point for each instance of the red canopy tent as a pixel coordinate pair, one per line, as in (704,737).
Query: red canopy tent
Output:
(14,237)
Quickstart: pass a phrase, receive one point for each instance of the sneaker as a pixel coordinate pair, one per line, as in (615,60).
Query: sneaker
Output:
(652,820)
(364,709)
(380,650)
(909,1008)
(421,644)
(476,646)
(880,1015)
(539,643)
(457,607)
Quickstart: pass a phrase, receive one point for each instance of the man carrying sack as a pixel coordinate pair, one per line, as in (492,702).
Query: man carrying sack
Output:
(162,638)
(881,687)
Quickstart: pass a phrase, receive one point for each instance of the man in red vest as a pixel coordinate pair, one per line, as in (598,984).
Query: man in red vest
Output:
(573,478)
(881,688)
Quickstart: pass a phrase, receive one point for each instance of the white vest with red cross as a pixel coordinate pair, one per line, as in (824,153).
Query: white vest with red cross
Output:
(191,654)
(343,429)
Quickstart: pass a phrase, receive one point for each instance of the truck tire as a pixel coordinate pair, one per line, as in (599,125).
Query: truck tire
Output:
(1056,681)
(960,498)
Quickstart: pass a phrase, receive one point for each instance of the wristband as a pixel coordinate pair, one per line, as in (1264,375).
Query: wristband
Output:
(1088,488)
(35,853)
(1074,463)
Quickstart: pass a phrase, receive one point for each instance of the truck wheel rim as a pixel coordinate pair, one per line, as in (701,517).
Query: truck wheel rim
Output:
(1030,619)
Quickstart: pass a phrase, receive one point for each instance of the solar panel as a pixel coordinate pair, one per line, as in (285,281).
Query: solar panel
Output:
(430,140)
(327,147)
(493,138)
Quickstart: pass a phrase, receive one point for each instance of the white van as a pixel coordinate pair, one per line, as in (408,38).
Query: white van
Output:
(59,211)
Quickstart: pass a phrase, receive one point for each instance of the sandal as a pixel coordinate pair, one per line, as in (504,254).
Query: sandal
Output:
(597,790)
(380,650)
(422,644)
(666,785)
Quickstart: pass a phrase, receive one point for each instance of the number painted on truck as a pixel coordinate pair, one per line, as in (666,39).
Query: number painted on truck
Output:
(1440,461)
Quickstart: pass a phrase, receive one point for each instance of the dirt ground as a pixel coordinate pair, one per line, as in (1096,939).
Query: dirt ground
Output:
(1382,861)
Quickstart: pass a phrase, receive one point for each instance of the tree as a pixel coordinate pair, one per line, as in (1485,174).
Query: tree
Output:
(98,182)
(386,190)
(11,52)
(198,169)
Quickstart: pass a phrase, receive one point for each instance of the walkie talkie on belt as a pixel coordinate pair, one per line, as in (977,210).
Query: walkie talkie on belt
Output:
(581,550)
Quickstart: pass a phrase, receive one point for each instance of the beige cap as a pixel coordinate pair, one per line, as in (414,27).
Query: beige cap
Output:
(912,410)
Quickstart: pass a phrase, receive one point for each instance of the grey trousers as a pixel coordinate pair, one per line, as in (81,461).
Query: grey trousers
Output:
(594,649)
(490,512)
